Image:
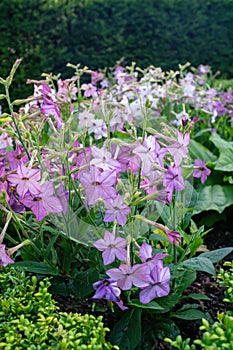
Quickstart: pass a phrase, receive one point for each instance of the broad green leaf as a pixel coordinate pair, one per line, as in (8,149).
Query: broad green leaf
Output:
(225,160)
(214,197)
(200,263)
(83,282)
(127,332)
(152,305)
(195,245)
(198,151)
(37,267)
(183,279)
(191,314)
(217,254)
(220,143)
(196,296)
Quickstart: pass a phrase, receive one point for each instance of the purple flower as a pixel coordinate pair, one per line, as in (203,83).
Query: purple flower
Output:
(179,149)
(173,180)
(116,209)
(44,202)
(201,171)
(108,289)
(146,256)
(26,180)
(158,286)
(15,158)
(89,90)
(127,276)
(98,184)
(4,257)
(174,237)
(112,247)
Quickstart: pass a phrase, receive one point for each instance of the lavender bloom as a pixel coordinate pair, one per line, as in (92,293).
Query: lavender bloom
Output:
(89,90)
(4,257)
(44,202)
(146,256)
(98,184)
(116,209)
(173,180)
(179,149)
(127,276)
(108,289)
(174,237)
(112,247)
(158,286)
(26,180)
(201,170)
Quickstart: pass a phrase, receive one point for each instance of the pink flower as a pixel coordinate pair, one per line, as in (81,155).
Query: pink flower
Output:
(89,90)
(146,256)
(174,237)
(26,180)
(116,209)
(201,171)
(127,276)
(179,149)
(158,286)
(44,202)
(98,184)
(112,247)
(173,180)
(108,289)
(4,257)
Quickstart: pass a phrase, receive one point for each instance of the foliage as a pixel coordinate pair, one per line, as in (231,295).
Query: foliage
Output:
(219,334)
(29,318)
(48,34)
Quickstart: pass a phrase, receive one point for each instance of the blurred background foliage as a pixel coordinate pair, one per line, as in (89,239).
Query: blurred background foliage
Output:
(50,33)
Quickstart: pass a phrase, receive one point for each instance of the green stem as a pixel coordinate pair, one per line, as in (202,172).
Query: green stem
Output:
(14,121)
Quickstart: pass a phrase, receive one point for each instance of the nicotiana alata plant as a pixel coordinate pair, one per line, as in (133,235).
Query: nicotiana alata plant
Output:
(100,182)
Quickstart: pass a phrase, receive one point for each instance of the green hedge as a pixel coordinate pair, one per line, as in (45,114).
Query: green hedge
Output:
(97,33)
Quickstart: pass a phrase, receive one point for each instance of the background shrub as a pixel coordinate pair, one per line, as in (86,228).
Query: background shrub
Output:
(97,33)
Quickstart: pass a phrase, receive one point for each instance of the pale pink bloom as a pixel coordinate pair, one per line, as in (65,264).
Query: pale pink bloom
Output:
(26,180)
(98,184)
(44,202)
(117,210)
(158,286)
(127,276)
(4,257)
(112,247)
(201,171)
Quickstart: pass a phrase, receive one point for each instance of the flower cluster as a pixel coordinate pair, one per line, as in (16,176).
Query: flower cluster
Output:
(150,276)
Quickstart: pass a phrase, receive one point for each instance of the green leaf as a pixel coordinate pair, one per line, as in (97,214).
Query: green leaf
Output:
(152,305)
(83,282)
(214,197)
(183,279)
(196,296)
(217,254)
(37,267)
(200,263)
(191,314)
(225,160)
(220,143)
(198,151)
(195,245)
(127,332)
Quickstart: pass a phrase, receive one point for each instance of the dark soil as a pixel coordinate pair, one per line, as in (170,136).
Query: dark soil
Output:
(221,236)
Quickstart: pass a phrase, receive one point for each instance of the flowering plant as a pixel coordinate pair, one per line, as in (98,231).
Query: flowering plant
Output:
(100,183)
